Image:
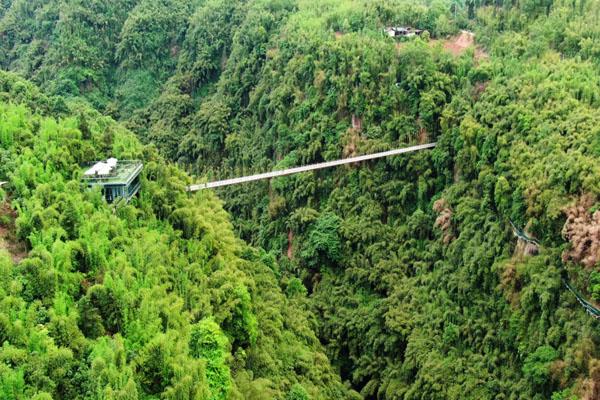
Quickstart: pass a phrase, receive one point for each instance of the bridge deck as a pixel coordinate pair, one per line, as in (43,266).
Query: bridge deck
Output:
(306,168)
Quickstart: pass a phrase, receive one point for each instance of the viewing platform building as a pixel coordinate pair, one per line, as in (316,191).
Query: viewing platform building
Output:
(117,178)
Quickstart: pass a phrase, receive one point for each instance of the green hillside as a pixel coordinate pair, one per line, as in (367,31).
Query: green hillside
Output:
(463,272)
(152,299)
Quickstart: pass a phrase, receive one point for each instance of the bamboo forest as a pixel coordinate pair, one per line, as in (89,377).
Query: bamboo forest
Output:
(299,199)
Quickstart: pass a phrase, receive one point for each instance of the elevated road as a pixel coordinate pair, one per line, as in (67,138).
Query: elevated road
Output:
(306,168)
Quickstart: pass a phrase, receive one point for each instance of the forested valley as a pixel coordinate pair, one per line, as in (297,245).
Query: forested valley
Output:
(468,271)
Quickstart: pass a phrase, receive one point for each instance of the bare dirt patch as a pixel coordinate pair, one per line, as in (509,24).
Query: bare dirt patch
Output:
(460,43)
(455,45)
(8,238)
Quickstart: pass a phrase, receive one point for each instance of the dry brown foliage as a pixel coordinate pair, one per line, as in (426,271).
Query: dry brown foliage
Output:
(351,140)
(590,388)
(582,229)
(444,219)
(356,123)
(290,249)
(524,249)
(511,284)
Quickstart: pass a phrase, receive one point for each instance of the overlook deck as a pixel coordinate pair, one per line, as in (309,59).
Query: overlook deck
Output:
(120,179)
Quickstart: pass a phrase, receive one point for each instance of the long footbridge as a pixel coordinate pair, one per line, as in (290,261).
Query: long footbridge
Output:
(306,168)
(520,233)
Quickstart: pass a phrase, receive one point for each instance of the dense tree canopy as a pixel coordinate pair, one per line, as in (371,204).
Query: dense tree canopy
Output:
(401,278)
(152,298)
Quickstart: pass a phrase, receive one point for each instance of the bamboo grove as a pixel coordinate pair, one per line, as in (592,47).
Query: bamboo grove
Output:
(399,278)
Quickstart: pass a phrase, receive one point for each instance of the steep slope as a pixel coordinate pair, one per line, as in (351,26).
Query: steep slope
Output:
(421,288)
(418,284)
(152,299)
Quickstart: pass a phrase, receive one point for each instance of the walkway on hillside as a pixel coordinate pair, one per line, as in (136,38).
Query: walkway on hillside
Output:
(589,307)
(306,168)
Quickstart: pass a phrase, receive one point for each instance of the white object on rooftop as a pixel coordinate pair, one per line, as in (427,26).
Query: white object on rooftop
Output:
(102,168)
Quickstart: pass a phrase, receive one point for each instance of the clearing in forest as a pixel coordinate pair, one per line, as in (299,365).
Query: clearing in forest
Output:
(457,45)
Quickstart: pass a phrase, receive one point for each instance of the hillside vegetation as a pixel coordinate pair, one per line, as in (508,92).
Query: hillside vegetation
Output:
(394,279)
(156,298)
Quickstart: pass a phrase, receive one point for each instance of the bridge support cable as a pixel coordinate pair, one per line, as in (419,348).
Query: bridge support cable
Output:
(306,168)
